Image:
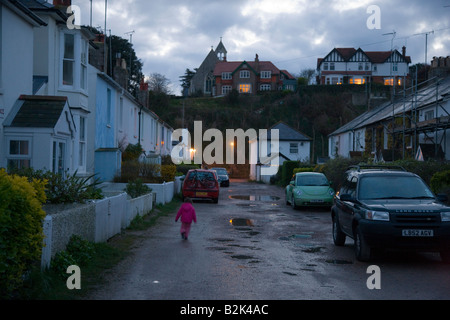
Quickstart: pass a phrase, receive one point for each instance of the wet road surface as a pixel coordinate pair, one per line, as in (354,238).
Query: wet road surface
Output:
(252,246)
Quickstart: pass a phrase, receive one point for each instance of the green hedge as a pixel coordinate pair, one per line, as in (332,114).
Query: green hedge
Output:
(440,182)
(21,232)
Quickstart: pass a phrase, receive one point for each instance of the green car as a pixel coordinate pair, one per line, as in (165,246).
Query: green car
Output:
(309,189)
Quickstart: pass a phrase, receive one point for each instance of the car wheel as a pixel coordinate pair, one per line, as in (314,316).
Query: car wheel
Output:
(338,236)
(362,251)
(215,200)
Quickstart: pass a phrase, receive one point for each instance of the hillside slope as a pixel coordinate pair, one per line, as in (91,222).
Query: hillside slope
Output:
(316,111)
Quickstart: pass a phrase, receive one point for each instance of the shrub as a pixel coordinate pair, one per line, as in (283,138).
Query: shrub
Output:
(132,152)
(64,189)
(184,168)
(296,170)
(78,252)
(440,182)
(21,233)
(287,170)
(168,172)
(136,188)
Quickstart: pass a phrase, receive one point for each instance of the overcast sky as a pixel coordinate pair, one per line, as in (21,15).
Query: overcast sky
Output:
(173,35)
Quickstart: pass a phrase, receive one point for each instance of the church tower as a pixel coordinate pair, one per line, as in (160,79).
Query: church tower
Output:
(221,52)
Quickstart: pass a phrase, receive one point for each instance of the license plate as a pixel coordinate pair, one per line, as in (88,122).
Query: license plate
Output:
(201,194)
(417,233)
(316,201)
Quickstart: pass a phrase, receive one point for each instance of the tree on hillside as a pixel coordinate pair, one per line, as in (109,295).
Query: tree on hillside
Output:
(307,75)
(186,79)
(159,84)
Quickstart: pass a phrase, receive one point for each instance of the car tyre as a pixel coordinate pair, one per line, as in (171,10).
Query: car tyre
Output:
(338,236)
(215,200)
(362,251)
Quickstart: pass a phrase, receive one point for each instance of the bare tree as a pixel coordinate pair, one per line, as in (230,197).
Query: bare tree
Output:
(308,74)
(158,83)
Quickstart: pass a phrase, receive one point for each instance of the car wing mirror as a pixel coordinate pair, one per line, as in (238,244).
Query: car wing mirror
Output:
(292,183)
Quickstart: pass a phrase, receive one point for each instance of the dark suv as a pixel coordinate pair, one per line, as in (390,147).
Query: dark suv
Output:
(383,207)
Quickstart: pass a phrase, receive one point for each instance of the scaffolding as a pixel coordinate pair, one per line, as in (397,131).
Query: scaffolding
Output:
(428,95)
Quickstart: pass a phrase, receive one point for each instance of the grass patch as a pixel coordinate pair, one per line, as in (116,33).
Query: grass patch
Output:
(50,285)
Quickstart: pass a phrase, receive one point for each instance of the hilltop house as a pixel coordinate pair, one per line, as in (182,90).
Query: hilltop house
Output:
(293,146)
(250,77)
(217,77)
(355,66)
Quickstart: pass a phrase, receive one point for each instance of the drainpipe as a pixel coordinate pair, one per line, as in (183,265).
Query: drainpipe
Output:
(139,134)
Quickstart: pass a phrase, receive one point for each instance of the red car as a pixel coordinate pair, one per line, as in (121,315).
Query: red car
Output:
(201,184)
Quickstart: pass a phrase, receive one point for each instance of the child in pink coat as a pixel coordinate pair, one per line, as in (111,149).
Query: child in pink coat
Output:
(187,214)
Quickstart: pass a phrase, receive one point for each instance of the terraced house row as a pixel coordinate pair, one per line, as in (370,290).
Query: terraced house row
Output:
(58,111)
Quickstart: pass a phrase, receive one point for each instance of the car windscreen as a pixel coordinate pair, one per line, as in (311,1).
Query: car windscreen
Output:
(221,171)
(393,187)
(201,175)
(312,180)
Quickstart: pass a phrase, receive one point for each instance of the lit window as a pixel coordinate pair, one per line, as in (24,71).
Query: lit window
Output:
(245,88)
(357,80)
(390,81)
(266,74)
(245,74)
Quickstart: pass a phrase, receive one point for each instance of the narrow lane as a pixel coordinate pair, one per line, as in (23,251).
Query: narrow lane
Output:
(251,246)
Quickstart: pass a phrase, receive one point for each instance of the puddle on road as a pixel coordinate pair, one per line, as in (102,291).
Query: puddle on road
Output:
(242,257)
(306,235)
(255,198)
(240,222)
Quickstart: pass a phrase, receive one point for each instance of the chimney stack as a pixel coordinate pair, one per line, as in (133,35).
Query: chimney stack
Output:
(62,4)
(404,51)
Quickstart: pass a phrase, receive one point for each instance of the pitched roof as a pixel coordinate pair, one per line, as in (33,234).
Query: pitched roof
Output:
(374,56)
(287,133)
(37,112)
(21,8)
(233,66)
(346,53)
